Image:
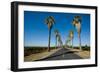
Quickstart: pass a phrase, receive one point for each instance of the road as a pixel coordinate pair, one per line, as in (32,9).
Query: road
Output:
(63,54)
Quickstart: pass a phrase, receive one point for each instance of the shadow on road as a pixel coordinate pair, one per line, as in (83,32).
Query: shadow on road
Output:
(52,57)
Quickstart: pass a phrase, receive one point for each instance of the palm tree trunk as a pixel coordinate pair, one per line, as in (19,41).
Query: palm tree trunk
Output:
(80,42)
(49,40)
(72,43)
(56,44)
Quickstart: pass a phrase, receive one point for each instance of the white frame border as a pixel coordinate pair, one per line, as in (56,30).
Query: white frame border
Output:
(22,64)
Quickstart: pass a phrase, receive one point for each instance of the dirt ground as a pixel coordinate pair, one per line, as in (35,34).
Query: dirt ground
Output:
(83,54)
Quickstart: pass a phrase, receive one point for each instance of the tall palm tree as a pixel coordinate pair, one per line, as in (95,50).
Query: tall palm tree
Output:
(77,23)
(67,41)
(60,41)
(49,21)
(71,34)
(56,35)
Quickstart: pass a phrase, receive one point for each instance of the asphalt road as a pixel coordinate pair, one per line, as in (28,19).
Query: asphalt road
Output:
(63,54)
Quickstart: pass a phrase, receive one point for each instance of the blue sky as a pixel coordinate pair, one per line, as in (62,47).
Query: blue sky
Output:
(36,31)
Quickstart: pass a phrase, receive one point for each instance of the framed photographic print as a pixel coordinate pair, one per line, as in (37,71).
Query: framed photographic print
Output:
(52,36)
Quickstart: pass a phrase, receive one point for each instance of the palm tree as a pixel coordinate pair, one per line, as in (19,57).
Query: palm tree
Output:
(67,41)
(77,23)
(60,41)
(71,35)
(49,21)
(56,35)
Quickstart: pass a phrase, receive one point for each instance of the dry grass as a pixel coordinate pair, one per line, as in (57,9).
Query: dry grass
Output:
(84,54)
(39,56)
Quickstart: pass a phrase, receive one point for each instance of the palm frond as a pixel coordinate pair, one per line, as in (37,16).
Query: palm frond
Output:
(49,21)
